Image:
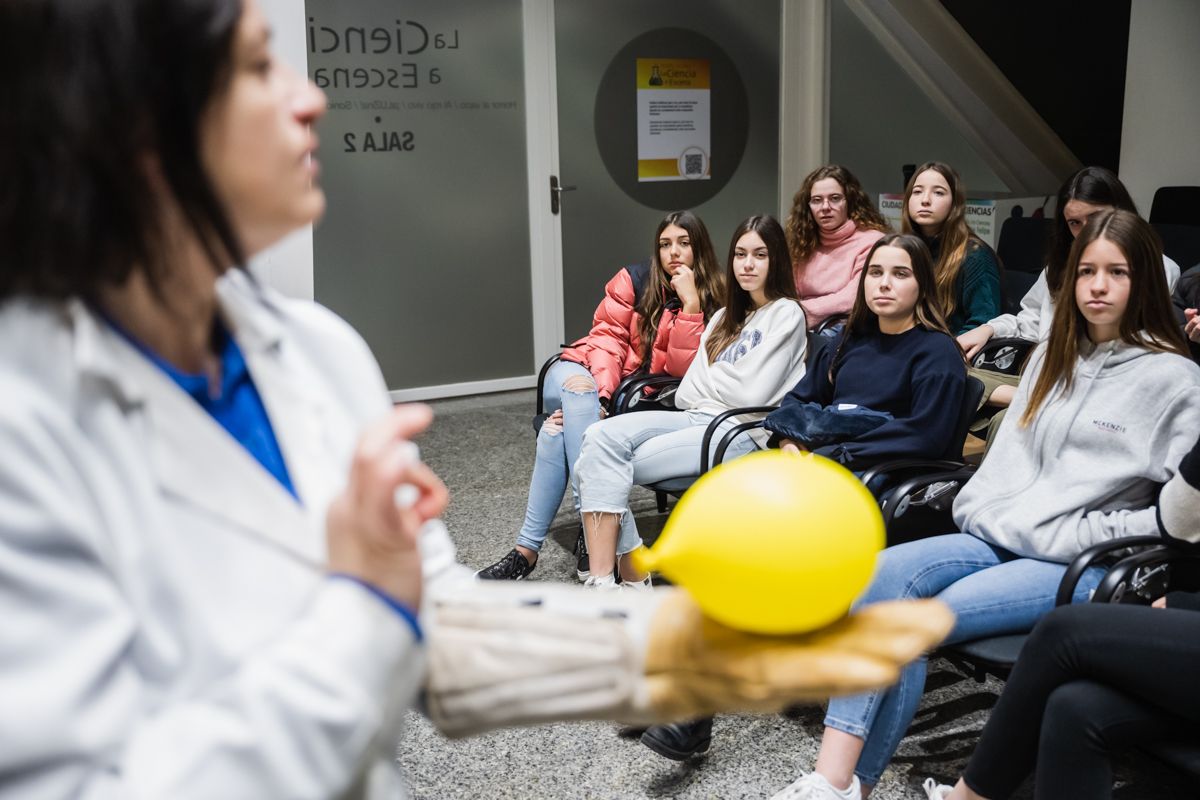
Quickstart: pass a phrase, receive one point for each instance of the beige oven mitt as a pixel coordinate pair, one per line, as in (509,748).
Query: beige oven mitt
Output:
(512,654)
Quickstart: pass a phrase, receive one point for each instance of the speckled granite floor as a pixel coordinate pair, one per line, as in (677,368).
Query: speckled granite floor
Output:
(483,448)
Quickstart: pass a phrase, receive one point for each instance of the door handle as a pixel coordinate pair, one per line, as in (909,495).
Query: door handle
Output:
(556,190)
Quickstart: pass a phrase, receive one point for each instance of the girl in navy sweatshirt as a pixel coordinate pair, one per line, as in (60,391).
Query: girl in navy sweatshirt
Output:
(896,362)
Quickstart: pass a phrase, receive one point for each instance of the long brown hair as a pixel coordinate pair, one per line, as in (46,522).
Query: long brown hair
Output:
(709,279)
(927,312)
(1148,320)
(955,235)
(1095,186)
(738,303)
(803,233)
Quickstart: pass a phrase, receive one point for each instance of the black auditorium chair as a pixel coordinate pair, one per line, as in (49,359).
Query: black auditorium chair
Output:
(1176,205)
(622,399)
(1004,354)
(1022,251)
(1181,243)
(1139,570)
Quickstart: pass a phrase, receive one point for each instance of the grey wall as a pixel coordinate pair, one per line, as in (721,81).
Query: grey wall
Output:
(1159,143)
(880,120)
(425,248)
(603,228)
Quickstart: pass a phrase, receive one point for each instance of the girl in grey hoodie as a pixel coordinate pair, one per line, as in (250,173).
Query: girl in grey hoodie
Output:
(1105,412)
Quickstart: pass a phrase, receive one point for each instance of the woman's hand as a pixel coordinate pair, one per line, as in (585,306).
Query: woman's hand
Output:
(973,340)
(372,533)
(1160,602)
(1191,328)
(684,284)
(791,446)
(553,424)
(696,666)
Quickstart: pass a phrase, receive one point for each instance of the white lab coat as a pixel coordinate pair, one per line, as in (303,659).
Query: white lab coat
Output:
(166,630)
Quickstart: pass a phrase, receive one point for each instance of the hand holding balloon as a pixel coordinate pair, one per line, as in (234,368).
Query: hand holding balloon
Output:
(772,549)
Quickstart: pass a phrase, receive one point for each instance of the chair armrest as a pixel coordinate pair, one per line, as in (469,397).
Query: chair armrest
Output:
(1081,562)
(829,322)
(630,390)
(619,394)
(909,464)
(1124,572)
(960,474)
(730,435)
(991,355)
(716,422)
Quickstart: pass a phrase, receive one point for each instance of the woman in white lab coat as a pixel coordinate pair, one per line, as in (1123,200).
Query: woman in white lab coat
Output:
(219,558)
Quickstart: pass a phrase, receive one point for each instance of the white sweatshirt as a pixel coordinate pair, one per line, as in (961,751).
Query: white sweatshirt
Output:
(756,370)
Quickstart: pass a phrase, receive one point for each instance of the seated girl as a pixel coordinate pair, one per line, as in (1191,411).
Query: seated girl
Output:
(651,317)
(750,353)
(1094,680)
(895,362)
(1089,191)
(832,225)
(890,388)
(1107,408)
(966,269)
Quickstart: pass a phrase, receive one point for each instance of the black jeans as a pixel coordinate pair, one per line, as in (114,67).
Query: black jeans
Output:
(1091,679)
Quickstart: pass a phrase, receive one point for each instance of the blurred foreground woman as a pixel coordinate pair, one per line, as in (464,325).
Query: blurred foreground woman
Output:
(221,570)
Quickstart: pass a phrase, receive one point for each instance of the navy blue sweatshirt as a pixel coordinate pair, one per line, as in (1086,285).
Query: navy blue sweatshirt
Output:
(917,376)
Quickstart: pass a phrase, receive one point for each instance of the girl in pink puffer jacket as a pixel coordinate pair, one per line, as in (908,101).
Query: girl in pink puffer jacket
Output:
(651,319)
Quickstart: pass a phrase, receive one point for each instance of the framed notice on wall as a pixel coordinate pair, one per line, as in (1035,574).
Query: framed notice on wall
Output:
(673,119)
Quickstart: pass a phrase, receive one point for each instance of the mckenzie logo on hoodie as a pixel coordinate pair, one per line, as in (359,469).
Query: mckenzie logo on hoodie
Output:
(1108,427)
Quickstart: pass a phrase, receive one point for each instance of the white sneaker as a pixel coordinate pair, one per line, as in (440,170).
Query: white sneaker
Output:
(605,583)
(935,790)
(814,786)
(638,586)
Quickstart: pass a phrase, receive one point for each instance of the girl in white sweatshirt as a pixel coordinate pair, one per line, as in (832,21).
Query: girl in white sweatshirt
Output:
(750,354)
(1105,412)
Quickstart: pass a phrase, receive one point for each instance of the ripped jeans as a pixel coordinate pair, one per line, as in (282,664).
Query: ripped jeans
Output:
(645,447)
(557,452)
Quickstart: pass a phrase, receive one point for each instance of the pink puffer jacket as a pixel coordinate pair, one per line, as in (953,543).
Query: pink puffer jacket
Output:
(612,349)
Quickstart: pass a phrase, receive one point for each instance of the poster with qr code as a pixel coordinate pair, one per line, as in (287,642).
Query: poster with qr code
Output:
(673,118)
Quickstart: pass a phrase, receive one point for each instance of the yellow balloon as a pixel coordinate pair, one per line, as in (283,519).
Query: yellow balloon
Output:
(772,542)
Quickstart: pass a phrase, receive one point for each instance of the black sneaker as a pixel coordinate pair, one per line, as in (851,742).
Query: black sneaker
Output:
(681,740)
(582,567)
(513,567)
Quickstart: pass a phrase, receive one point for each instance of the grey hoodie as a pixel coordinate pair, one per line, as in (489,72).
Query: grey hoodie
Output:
(1089,466)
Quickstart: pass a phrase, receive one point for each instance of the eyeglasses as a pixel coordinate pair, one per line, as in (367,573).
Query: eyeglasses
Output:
(834,201)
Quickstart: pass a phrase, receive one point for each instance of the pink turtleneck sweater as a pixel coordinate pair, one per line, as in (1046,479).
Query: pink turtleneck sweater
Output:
(828,280)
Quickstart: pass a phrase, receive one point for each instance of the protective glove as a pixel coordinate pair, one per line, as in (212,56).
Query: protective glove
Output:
(513,654)
(696,666)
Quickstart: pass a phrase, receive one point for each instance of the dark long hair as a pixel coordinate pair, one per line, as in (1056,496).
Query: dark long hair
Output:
(1148,321)
(804,234)
(927,312)
(738,303)
(101,111)
(956,236)
(709,279)
(1093,185)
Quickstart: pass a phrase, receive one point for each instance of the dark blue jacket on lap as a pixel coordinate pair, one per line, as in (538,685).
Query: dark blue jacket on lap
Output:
(917,376)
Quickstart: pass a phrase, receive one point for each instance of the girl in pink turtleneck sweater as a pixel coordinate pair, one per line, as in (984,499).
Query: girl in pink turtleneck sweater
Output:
(830,229)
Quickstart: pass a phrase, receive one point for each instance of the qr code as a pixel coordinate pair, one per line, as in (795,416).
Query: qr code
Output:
(693,164)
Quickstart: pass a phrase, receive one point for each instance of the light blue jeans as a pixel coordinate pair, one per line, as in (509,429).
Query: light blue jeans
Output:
(992,592)
(645,447)
(557,451)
